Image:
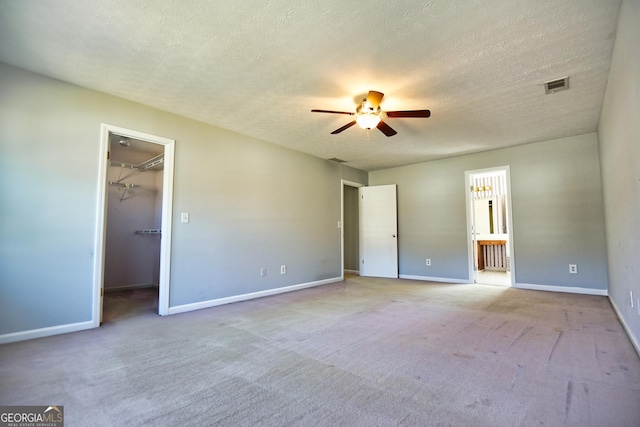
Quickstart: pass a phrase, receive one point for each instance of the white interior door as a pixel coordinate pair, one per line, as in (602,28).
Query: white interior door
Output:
(378,231)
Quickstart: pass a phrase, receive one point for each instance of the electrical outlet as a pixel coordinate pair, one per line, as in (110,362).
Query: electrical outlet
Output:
(263,272)
(573,268)
(283,269)
(428,262)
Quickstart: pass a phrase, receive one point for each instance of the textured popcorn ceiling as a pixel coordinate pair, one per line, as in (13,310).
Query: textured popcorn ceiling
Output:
(257,68)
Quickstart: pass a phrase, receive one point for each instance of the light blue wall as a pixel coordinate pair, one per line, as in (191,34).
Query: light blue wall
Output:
(557,213)
(252,204)
(619,135)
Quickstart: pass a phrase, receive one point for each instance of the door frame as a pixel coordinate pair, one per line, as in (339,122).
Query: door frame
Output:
(468,175)
(101,221)
(344,182)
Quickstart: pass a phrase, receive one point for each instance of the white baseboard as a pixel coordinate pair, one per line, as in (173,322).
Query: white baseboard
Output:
(75,327)
(357,272)
(244,297)
(566,289)
(633,339)
(572,290)
(130,287)
(45,332)
(434,279)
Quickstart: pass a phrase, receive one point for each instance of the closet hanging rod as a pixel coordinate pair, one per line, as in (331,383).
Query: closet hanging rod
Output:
(152,163)
(123,184)
(149,231)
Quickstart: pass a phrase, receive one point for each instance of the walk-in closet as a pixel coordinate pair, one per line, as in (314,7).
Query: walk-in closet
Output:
(133,226)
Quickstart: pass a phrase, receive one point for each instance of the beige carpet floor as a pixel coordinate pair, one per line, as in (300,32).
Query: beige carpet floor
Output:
(363,352)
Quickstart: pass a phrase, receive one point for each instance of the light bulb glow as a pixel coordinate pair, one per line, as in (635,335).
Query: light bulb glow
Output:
(367,121)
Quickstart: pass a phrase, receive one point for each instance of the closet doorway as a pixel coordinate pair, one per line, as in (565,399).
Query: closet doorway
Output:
(350,227)
(490,226)
(132,254)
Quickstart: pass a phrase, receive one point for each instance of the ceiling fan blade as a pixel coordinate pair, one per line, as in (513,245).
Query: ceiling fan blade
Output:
(374,98)
(411,113)
(347,126)
(332,112)
(386,129)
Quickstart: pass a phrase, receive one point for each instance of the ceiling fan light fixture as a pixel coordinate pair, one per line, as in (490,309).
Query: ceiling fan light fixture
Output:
(369,115)
(367,121)
(367,107)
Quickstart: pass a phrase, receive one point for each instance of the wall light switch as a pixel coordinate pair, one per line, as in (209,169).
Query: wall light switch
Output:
(184,217)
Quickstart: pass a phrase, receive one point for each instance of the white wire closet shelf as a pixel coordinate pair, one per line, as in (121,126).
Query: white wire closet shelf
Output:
(154,231)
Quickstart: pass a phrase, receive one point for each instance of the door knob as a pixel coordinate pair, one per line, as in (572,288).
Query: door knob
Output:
(393,235)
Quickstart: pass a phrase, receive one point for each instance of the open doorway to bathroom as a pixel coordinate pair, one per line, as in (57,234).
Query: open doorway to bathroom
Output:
(490,226)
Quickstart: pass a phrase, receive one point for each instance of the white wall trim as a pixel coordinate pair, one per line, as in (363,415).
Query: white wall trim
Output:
(434,279)
(344,182)
(131,287)
(45,332)
(352,183)
(101,227)
(566,289)
(548,288)
(244,297)
(626,328)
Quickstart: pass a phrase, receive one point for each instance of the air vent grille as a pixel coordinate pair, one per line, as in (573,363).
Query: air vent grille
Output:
(556,85)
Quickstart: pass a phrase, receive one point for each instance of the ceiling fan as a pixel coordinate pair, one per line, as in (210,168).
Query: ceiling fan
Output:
(369,115)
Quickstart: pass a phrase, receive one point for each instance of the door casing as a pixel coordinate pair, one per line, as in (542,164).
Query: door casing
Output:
(101,217)
(344,182)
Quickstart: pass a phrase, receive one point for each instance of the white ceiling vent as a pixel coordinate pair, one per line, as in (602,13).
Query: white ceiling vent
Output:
(556,85)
